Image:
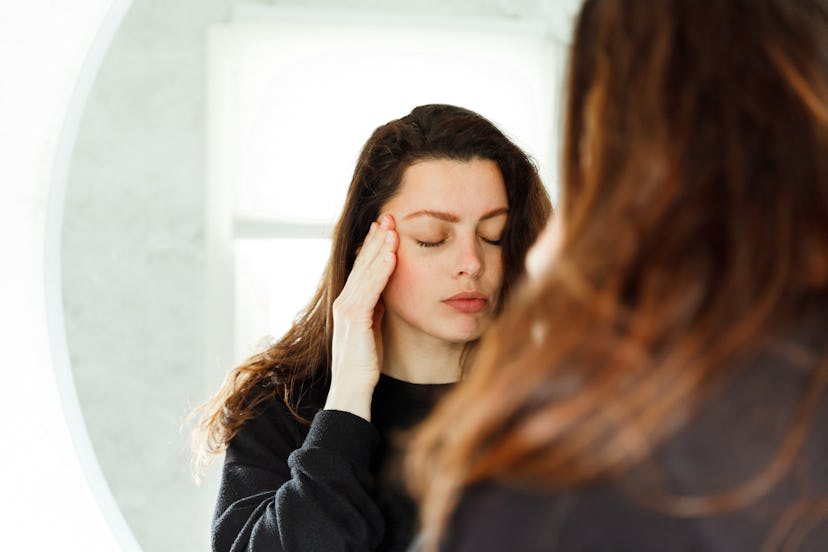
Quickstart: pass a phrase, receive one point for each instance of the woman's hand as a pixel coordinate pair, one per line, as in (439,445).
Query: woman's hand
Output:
(357,319)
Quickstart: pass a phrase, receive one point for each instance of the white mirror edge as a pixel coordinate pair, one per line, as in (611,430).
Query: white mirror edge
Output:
(115,522)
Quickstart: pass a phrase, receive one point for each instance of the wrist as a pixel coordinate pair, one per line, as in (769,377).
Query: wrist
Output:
(351,396)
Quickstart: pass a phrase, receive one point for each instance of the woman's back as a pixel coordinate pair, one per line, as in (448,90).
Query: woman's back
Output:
(729,445)
(646,377)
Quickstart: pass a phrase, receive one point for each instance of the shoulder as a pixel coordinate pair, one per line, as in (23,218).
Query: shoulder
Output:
(494,516)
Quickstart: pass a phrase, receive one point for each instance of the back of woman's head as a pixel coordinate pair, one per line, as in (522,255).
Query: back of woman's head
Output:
(694,222)
(296,367)
(696,141)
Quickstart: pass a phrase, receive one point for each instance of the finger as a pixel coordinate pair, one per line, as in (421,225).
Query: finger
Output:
(374,243)
(370,246)
(371,277)
(387,222)
(371,270)
(385,254)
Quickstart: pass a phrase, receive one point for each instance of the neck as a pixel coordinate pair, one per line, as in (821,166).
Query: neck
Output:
(412,356)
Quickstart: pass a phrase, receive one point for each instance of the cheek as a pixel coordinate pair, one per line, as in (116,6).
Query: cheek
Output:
(408,277)
(494,262)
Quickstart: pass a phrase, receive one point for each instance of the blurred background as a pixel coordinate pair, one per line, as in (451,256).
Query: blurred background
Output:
(211,160)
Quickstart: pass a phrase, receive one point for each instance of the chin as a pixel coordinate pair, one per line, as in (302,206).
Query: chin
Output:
(462,335)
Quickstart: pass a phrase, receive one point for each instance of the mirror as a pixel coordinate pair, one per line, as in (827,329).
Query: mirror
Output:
(151,320)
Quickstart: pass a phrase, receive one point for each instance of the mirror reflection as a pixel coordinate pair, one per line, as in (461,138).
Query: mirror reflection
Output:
(213,157)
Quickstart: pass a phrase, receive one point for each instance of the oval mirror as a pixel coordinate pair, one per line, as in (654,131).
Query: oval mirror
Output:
(184,204)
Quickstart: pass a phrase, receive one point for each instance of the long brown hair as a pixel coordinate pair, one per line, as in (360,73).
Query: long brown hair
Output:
(694,224)
(296,368)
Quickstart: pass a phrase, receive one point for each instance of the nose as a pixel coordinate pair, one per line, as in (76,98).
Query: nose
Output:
(469,258)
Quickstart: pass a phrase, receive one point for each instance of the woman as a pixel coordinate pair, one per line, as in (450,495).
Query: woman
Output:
(660,382)
(440,212)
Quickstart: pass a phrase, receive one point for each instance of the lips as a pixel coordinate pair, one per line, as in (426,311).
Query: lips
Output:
(467,302)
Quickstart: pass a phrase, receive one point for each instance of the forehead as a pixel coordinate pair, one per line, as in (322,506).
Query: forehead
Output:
(466,188)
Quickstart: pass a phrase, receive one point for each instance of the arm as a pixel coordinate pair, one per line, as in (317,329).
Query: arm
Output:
(316,497)
(357,314)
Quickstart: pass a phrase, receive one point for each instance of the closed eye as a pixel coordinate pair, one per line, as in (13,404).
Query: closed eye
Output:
(430,244)
(492,242)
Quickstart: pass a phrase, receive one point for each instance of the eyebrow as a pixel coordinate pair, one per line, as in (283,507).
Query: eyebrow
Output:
(451,217)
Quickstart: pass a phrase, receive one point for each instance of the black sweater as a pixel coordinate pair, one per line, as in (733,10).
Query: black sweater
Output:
(328,487)
(731,439)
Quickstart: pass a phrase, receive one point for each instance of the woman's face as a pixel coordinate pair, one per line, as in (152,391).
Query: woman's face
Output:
(450,216)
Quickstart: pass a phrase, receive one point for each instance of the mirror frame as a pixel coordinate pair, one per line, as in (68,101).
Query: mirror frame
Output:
(114,12)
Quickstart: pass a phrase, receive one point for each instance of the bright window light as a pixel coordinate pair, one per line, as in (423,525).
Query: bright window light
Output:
(271,291)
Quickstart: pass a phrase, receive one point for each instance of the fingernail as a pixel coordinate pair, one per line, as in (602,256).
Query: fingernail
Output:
(385,221)
(389,237)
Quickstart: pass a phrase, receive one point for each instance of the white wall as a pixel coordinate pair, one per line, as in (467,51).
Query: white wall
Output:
(53,495)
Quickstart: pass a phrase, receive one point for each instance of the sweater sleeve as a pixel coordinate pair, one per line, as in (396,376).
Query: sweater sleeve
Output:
(274,496)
